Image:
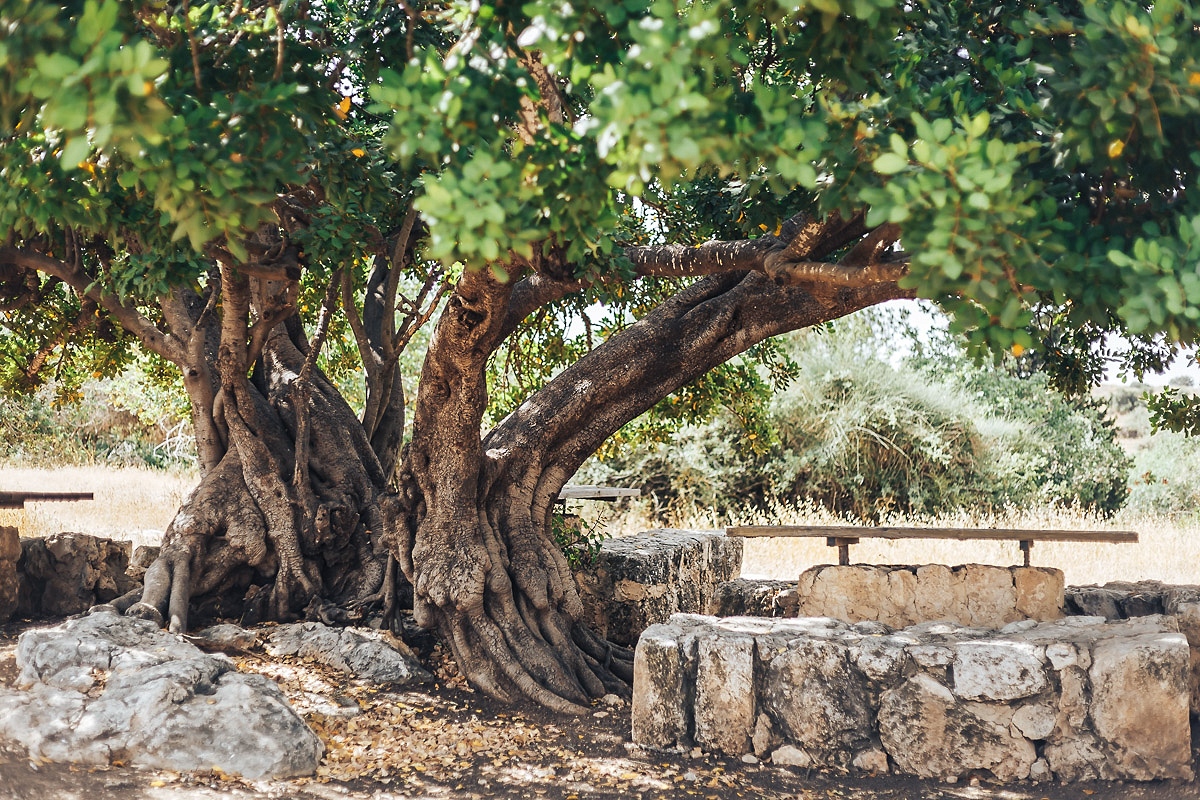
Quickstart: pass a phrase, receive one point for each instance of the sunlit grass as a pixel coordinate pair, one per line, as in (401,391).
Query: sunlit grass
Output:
(130,504)
(1168,549)
(136,505)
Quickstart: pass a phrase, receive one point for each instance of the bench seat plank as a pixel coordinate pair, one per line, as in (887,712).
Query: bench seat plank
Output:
(884,532)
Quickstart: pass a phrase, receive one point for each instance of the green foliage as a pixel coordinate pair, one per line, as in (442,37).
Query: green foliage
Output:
(579,539)
(865,438)
(1164,478)
(94,427)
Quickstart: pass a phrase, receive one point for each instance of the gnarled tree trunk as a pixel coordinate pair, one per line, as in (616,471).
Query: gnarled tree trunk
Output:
(486,572)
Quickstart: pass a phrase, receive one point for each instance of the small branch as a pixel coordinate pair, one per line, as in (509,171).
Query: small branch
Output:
(191,36)
(279,40)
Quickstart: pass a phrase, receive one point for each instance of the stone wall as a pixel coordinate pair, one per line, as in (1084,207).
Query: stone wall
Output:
(68,573)
(1121,600)
(1076,699)
(975,594)
(10,554)
(754,597)
(643,579)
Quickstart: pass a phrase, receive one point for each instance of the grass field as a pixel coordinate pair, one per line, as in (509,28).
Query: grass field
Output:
(132,504)
(138,504)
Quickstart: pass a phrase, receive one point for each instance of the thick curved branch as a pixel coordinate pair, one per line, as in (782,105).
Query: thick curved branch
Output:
(129,318)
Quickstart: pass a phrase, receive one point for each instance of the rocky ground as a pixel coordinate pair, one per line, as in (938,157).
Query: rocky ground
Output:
(445,741)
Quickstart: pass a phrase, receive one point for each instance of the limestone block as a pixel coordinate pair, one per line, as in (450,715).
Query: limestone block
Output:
(1040,592)
(819,700)
(641,580)
(1140,704)
(940,592)
(10,552)
(68,573)
(660,706)
(998,670)
(725,712)
(749,597)
(873,760)
(897,596)
(990,593)
(927,732)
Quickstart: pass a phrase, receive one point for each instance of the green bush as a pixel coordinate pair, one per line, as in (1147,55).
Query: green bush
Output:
(95,427)
(866,434)
(1164,478)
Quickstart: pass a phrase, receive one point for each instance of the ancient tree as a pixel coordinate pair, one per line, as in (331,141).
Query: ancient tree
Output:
(585,213)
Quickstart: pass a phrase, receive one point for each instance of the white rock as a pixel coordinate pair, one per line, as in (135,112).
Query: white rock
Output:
(873,760)
(1035,721)
(791,756)
(1140,704)
(998,670)
(164,704)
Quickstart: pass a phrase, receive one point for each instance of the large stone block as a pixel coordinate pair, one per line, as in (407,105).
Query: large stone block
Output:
(10,553)
(1078,698)
(899,596)
(643,579)
(724,711)
(750,597)
(68,573)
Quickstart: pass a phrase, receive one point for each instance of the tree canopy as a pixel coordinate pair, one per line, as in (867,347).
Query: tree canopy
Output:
(602,204)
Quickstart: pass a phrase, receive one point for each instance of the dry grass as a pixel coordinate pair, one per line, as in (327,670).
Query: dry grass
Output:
(1168,549)
(131,504)
(138,504)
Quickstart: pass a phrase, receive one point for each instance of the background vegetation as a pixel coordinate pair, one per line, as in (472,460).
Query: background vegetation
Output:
(882,415)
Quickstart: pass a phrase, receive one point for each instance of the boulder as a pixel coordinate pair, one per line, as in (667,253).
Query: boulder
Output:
(637,581)
(105,687)
(365,655)
(68,573)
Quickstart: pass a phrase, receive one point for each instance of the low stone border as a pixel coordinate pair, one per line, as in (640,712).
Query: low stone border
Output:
(1076,699)
(643,579)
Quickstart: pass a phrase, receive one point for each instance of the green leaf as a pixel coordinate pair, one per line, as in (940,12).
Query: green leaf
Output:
(890,164)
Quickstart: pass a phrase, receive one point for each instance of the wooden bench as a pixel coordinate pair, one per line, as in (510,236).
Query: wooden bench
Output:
(605,493)
(15,500)
(842,536)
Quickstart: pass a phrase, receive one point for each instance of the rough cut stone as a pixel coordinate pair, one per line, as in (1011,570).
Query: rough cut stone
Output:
(1139,698)
(68,573)
(643,579)
(104,687)
(364,655)
(1073,699)
(818,699)
(927,732)
(998,670)
(750,597)
(659,711)
(899,596)
(724,711)
(10,553)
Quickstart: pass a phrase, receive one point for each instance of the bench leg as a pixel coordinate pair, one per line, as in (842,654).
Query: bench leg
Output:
(842,543)
(1026,546)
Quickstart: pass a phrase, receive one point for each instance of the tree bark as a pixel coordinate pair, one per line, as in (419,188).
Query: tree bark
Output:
(486,571)
(292,513)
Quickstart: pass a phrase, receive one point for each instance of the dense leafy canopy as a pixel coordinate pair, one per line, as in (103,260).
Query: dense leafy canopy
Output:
(1035,157)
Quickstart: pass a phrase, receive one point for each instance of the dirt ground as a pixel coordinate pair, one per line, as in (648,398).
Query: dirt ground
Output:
(445,741)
